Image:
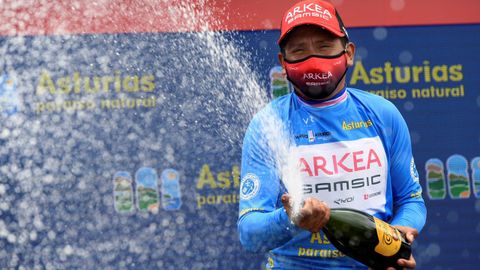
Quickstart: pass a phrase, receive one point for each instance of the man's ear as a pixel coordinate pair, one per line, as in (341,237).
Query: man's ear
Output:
(281,59)
(350,53)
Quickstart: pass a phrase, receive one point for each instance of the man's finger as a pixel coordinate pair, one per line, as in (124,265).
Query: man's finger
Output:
(410,237)
(407,263)
(286,205)
(410,234)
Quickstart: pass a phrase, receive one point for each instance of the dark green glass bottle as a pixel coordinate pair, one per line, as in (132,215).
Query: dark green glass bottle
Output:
(366,238)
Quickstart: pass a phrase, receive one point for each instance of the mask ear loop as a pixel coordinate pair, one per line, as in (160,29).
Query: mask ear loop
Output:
(346,67)
(346,46)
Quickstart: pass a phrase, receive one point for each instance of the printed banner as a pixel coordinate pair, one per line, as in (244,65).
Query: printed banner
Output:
(123,150)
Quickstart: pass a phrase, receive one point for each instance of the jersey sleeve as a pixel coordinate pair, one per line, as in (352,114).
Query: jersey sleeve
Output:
(263,223)
(408,205)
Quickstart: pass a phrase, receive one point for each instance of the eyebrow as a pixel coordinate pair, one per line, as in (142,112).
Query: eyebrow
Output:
(328,40)
(302,43)
(296,44)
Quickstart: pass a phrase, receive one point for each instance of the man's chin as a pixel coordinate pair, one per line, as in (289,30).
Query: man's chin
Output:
(319,94)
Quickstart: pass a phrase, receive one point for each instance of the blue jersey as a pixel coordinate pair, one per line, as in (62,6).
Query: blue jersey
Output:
(353,151)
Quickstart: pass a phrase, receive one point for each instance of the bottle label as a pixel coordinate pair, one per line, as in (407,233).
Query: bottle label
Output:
(387,244)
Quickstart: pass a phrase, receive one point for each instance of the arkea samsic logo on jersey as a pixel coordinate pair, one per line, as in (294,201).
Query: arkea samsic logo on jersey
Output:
(350,125)
(345,169)
(342,185)
(348,162)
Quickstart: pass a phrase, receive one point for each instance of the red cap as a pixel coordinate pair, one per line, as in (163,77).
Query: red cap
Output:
(314,12)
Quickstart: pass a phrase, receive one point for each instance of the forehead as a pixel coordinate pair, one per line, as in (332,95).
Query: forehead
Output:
(303,32)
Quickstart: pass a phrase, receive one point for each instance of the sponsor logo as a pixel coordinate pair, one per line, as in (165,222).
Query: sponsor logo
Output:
(417,194)
(317,76)
(307,10)
(309,119)
(248,210)
(312,134)
(78,84)
(388,243)
(340,163)
(324,76)
(335,171)
(437,80)
(458,178)
(270,263)
(367,196)
(9,97)
(80,92)
(322,253)
(413,171)
(249,187)
(209,180)
(123,192)
(341,201)
(171,194)
(435,177)
(278,82)
(342,185)
(146,181)
(144,188)
(350,125)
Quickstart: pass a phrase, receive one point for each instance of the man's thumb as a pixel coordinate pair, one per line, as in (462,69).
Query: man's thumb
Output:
(285,198)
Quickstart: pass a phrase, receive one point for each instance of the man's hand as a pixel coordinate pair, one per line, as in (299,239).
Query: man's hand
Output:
(313,215)
(410,235)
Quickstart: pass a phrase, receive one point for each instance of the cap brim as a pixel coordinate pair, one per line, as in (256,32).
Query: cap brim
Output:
(327,28)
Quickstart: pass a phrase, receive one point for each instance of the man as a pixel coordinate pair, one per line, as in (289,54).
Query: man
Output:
(351,148)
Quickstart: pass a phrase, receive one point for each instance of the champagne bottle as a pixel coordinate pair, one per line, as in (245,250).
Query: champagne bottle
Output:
(366,238)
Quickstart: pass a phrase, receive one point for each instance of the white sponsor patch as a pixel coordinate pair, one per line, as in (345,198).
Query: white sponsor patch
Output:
(413,171)
(249,187)
(344,172)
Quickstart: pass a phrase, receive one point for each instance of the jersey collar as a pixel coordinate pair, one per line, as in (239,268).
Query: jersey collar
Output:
(337,99)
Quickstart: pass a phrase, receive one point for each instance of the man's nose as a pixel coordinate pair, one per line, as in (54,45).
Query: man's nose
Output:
(309,48)
(313,49)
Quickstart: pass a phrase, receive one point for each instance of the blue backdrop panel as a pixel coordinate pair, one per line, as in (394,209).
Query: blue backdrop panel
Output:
(123,151)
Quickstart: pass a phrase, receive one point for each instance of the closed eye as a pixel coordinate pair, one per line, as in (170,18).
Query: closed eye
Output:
(324,46)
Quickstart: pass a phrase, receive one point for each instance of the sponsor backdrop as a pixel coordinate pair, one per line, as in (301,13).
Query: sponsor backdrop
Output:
(122,151)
